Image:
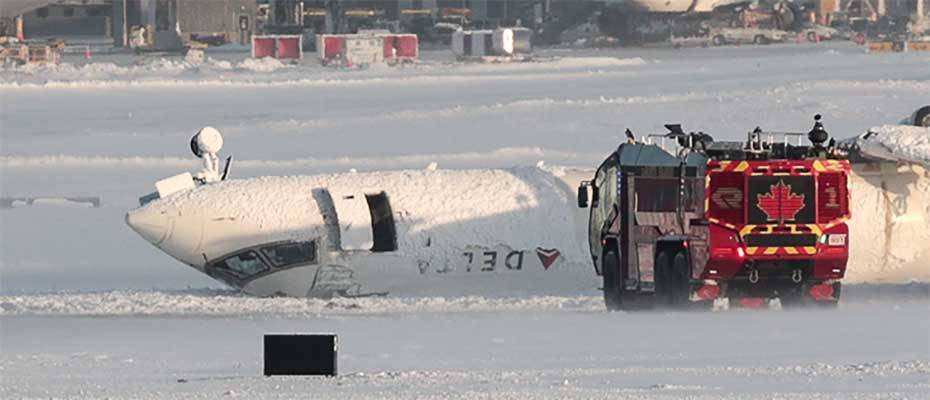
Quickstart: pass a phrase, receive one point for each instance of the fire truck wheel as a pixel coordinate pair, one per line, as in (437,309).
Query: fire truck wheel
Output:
(663,280)
(611,274)
(681,284)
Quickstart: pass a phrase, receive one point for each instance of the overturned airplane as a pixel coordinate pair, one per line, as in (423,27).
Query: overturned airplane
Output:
(360,234)
(489,232)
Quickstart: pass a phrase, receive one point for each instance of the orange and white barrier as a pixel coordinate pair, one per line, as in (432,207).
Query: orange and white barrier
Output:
(367,48)
(282,47)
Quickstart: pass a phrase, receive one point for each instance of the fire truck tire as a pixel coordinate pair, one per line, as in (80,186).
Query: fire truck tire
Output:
(663,280)
(611,274)
(681,284)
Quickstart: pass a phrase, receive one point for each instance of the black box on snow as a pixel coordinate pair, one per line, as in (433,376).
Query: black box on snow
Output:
(301,354)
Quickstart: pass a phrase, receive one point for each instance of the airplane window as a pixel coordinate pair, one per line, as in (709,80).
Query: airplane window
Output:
(244,265)
(284,254)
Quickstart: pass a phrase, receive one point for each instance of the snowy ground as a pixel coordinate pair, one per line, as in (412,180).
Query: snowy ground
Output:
(867,350)
(110,129)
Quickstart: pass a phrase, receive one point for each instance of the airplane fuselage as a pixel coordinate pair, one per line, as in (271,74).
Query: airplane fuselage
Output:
(490,232)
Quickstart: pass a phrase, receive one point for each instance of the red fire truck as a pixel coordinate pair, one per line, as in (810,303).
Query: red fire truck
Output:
(758,223)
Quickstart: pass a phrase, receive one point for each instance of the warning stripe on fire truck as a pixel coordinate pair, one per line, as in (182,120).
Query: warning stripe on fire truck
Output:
(730,166)
(830,165)
(769,229)
(808,233)
(770,251)
(740,166)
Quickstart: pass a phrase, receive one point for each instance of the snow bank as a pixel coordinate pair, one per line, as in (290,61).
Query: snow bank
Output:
(171,72)
(562,63)
(598,62)
(295,78)
(163,66)
(853,85)
(228,303)
(266,64)
(215,303)
(157,71)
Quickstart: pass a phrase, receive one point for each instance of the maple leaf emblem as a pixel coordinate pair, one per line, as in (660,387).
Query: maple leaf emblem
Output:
(780,204)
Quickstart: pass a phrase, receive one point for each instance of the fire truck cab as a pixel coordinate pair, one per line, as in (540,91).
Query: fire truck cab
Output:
(760,222)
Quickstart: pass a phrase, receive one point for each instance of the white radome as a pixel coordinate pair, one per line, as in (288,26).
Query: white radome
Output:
(209,140)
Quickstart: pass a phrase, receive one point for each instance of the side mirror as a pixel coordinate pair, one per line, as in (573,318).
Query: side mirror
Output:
(583,195)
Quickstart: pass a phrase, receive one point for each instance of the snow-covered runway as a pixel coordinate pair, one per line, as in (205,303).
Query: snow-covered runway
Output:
(72,326)
(865,350)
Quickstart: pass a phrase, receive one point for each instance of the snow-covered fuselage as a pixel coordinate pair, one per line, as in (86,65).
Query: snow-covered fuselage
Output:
(420,232)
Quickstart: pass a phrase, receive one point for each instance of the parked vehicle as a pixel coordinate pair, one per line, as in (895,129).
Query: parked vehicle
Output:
(724,36)
(817,33)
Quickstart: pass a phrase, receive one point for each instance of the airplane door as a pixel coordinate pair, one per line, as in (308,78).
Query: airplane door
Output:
(355,228)
(383,230)
(365,221)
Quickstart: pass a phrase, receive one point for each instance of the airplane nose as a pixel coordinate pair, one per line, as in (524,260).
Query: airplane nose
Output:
(152,225)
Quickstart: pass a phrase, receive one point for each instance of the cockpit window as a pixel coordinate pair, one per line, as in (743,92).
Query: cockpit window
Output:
(284,254)
(243,265)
